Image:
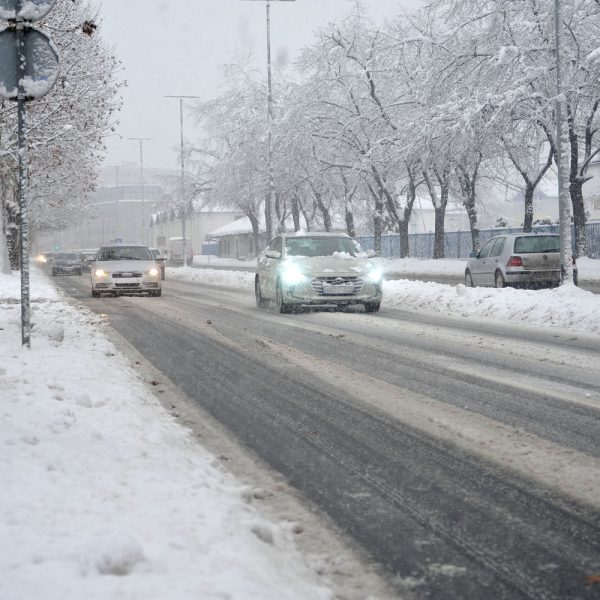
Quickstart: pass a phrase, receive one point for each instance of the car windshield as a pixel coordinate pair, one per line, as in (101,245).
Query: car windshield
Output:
(322,246)
(124,253)
(67,256)
(537,244)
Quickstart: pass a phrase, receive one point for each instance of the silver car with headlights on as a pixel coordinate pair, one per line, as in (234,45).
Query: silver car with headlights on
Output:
(319,270)
(125,269)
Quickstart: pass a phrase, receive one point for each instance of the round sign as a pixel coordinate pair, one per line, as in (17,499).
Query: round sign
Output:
(41,64)
(25,10)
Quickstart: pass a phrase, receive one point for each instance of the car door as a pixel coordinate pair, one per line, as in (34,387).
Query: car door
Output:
(480,267)
(493,261)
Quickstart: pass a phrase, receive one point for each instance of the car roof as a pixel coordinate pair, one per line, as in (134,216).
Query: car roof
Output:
(312,234)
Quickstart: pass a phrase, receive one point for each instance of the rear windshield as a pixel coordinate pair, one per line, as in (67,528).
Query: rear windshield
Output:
(67,256)
(124,253)
(537,244)
(322,246)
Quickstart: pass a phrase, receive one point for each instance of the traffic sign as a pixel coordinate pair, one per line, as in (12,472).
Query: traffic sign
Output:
(40,64)
(19,10)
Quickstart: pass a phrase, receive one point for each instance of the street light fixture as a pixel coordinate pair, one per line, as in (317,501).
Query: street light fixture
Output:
(183,203)
(271,196)
(141,141)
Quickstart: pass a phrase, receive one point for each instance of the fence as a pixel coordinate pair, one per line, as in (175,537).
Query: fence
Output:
(457,244)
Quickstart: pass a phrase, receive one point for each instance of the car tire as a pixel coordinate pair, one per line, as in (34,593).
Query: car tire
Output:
(53,273)
(282,307)
(469,279)
(499,281)
(260,301)
(158,293)
(95,294)
(372,307)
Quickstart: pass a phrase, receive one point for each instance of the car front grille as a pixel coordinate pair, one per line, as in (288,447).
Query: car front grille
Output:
(126,275)
(317,284)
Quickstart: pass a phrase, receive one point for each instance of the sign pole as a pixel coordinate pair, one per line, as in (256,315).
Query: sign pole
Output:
(23,193)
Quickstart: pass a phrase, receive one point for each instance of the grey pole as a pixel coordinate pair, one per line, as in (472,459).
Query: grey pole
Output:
(23,188)
(270,200)
(183,202)
(141,141)
(562,158)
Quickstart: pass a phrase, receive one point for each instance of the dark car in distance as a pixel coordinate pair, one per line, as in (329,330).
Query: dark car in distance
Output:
(66,263)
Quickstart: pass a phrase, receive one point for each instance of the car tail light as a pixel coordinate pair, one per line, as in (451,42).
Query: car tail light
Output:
(515,261)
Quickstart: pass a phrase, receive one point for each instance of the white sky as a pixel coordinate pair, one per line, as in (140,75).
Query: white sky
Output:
(178,47)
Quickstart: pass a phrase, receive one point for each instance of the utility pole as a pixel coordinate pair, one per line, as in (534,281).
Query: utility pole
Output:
(562,158)
(118,196)
(270,200)
(141,141)
(181,150)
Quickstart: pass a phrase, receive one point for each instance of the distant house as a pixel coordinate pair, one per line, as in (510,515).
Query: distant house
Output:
(237,240)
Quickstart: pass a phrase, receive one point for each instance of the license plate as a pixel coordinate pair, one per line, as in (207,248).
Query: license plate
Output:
(545,275)
(126,275)
(337,290)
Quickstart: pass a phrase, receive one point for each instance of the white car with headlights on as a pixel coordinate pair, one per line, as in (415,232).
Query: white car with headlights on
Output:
(319,270)
(125,269)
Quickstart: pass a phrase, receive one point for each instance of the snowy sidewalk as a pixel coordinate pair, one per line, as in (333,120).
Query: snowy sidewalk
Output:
(103,494)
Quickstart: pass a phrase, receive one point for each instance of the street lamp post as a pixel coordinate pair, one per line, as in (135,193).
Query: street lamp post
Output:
(118,195)
(141,141)
(270,200)
(183,202)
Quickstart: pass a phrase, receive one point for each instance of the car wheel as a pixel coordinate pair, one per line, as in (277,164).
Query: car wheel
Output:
(260,301)
(372,307)
(469,279)
(53,273)
(282,307)
(499,280)
(158,293)
(95,294)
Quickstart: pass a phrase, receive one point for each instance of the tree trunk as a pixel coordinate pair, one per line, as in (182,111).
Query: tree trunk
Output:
(349,216)
(439,235)
(12,232)
(439,205)
(528,220)
(579,216)
(377,219)
(468,184)
(4,258)
(295,212)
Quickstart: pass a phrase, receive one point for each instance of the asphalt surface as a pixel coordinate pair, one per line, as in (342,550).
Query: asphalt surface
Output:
(373,418)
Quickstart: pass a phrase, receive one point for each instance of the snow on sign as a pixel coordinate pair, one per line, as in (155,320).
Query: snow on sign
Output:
(25,10)
(41,64)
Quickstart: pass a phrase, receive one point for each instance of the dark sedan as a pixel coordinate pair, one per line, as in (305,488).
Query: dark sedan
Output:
(67,263)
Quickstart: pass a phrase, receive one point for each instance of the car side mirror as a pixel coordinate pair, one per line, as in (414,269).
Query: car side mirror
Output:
(473,255)
(272,254)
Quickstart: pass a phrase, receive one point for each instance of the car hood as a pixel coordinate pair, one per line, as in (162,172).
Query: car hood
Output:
(332,265)
(125,266)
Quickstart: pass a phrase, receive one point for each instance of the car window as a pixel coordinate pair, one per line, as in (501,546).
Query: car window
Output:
(498,247)
(538,243)
(322,246)
(485,251)
(124,253)
(67,256)
(277,245)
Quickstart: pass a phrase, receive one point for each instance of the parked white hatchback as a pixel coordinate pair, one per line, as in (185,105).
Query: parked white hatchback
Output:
(125,269)
(320,270)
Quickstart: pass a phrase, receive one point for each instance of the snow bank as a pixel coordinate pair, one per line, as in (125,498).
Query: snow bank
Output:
(103,494)
(566,307)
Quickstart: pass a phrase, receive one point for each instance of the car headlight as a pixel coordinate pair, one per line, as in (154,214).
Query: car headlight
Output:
(100,273)
(153,272)
(42,259)
(292,275)
(375,276)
